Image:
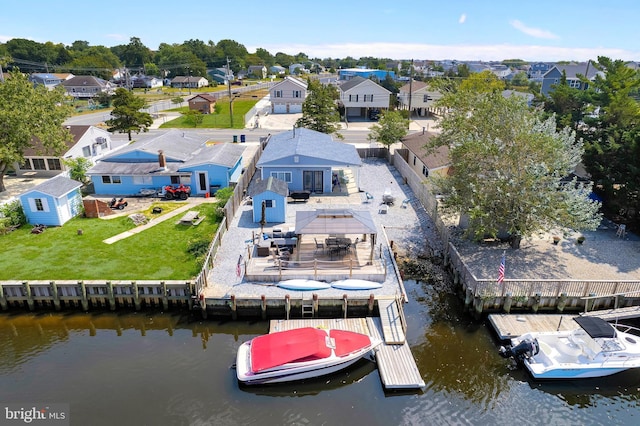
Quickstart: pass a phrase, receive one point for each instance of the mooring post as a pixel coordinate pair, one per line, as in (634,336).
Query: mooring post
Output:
(468,298)
(315,304)
(111,295)
(371,304)
(56,296)
(344,305)
(263,306)
(508,300)
(165,295)
(287,305)
(562,302)
(3,299)
(536,303)
(234,308)
(83,296)
(136,295)
(27,292)
(590,304)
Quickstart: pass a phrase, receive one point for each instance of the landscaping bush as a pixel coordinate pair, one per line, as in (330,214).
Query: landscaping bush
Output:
(13,211)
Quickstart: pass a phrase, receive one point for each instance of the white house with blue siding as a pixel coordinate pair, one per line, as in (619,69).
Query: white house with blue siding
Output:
(53,202)
(306,159)
(171,158)
(274,193)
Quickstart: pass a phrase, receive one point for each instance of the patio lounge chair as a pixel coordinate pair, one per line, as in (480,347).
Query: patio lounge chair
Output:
(319,246)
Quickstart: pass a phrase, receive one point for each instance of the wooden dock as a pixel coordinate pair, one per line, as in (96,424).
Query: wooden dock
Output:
(613,314)
(397,367)
(391,321)
(508,326)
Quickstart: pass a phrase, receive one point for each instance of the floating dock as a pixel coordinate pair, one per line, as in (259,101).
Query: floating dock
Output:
(509,326)
(397,367)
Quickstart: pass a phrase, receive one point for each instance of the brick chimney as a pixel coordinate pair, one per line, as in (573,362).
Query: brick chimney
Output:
(162,161)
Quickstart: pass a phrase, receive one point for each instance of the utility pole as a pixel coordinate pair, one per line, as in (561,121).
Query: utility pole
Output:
(189,79)
(229,93)
(410,87)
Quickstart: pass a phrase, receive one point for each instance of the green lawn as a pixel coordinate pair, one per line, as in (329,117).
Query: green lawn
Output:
(221,119)
(159,252)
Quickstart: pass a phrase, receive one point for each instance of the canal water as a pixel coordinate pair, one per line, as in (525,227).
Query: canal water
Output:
(176,369)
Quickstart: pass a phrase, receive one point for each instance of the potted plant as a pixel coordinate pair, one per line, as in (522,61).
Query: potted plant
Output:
(556,239)
(580,239)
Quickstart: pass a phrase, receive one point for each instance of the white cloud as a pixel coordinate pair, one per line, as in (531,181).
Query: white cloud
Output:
(533,32)
(462,18)
(460,52)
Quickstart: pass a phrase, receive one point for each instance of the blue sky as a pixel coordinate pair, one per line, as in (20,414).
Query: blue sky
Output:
(453,29)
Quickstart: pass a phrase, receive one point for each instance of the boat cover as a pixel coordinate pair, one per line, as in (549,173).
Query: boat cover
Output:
(300,344)
(596,327)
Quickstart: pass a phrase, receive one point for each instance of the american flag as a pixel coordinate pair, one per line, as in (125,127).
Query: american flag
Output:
(501,270)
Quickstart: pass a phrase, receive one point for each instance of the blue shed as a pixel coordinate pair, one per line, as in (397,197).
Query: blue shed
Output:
(53,202)
(274,193)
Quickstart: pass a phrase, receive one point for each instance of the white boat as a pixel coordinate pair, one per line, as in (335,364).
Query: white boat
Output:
(355,284)
(299,354)
(303,285)
(595,348)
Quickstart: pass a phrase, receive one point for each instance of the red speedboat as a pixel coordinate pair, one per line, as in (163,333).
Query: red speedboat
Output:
(299,354)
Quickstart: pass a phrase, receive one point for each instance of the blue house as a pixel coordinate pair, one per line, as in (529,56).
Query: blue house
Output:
(306,159)
(349,73)
(572,72)
(172,158)
(53,202)
(274,193)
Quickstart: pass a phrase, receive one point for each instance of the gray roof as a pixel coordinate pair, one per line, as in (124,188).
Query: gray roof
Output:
(353,82)
(221,154)
(56,186)
(270,184)
(176,144)
(334,221)
(84,80)
(573,70)
(132,169)
(308,143)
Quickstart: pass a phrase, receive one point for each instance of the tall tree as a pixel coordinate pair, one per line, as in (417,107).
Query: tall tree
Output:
(136,54)
(126,114)
(390,129)
(319,110)
(613,135)
(27,111)
(508,164)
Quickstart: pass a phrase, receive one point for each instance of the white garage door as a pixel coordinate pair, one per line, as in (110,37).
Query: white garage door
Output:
(279,108)
(295,108)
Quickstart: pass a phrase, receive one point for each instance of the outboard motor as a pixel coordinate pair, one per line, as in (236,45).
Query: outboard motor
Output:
(525,349)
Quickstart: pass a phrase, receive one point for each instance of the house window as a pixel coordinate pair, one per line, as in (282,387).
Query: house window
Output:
(425,171)
(297,94)
(285,176)
(269,203)
(26,165)
(86,151)
(38,164)
(142,180)
(175,180)
(353,98)
(115,179)
(426,98)
(39,206)
(277,93)
(54,164)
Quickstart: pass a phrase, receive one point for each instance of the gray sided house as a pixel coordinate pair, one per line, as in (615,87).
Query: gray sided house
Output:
(47,80)
(87,86)
(288,96)
(554,75)
(172,158)
(306,159)
(274,193)
(53,202)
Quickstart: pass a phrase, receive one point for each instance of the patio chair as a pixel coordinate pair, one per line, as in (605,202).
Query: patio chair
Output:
(368,197)
(319,246)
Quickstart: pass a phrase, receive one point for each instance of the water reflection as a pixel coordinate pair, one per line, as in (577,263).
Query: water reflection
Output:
(159,368)
(354,374)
